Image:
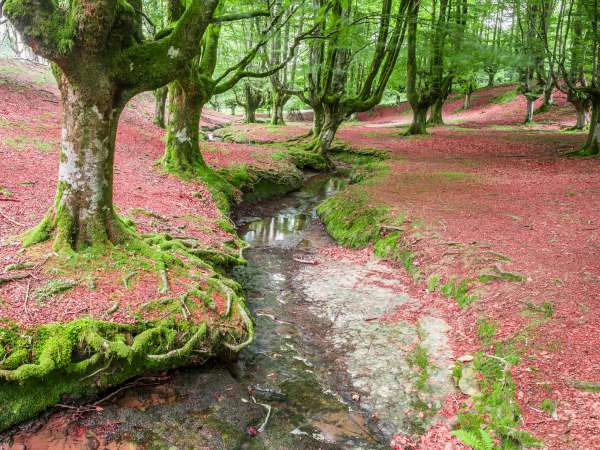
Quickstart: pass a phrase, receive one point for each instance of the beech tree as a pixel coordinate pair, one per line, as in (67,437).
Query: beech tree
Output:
(100,60)
(195,86)
(576,52)
(331,53)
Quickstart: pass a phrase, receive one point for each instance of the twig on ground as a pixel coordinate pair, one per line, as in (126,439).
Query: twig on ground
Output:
(14,222)
(307,261)
(27,297)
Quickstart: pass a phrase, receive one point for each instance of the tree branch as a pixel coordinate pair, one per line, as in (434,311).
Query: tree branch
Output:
(240,16)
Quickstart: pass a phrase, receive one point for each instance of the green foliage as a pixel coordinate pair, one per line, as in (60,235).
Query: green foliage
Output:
(486,331)
(459,291)
(549,406)
(52,288)
(505,97)
(477,440)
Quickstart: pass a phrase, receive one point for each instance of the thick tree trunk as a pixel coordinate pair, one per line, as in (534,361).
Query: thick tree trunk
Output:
(582,116)
(592,145)
(182,154)
(436,117)
(160,96)
(331,122)
(419,122)
(83,213)
(278,103)
(530,110)
(250,113)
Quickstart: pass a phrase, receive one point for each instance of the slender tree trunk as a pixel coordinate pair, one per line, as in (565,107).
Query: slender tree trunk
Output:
(467,103)
(530,110)
(437,108)
(160,96)
(83,213)
(592,146)
(419,122)
(182,154)
(491,79)
(548,95)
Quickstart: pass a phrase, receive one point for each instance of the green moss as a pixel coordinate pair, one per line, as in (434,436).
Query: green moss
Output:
(391,247)
(459,291)
(505,97)
(303,159)
(495,274)
(486,331)
(350,219)
(52,288)
(549,406)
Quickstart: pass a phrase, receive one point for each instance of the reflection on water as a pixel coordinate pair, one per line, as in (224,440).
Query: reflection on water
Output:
(289,221)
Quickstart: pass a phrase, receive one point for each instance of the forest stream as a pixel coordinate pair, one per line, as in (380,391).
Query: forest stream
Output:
(322,372)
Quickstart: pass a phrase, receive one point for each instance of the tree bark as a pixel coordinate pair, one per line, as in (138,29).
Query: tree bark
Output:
(592,145)
(436,117)
(332,120)
(83,213)
(419,122)
(278,102)
(491,79)
(467,103)
(582,116)
(182,154)
(318,118)
(160,96)
(530,110)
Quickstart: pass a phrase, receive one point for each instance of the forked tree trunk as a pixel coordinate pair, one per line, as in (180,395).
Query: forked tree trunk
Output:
(419,121)
(160,97)
(332,120)
(83,213)
(530,110)
(437,109)
(182,154)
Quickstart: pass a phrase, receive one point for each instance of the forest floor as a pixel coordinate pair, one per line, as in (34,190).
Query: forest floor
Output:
(495,207)
(499,232)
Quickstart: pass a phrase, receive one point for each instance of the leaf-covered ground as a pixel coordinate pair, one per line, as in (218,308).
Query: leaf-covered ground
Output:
(484,200)
(498,207)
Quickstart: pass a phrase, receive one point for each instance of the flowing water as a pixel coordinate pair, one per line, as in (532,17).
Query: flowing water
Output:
(321,373)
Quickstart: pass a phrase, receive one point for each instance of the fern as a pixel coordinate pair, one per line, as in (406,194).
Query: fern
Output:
(478,440)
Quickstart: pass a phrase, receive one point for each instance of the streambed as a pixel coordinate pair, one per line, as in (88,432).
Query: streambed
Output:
(323,371)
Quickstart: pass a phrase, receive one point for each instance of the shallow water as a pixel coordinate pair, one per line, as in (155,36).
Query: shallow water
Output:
(321,373)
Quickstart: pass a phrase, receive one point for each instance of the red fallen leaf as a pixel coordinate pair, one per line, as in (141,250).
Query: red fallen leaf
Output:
(99,408)
(251,431)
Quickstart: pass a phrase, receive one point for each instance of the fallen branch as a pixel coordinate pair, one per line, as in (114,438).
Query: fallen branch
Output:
(16,277)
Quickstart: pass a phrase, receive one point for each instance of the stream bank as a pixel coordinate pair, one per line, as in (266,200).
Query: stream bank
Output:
(323,371)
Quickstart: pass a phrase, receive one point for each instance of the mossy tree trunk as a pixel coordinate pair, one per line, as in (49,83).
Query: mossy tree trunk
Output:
(436,117)
(101,61)
(419,121)
(182,153)
(583,118)
(332,119)
(318,119)
(592,145)
(160,103)
(278,101)
(83,213)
